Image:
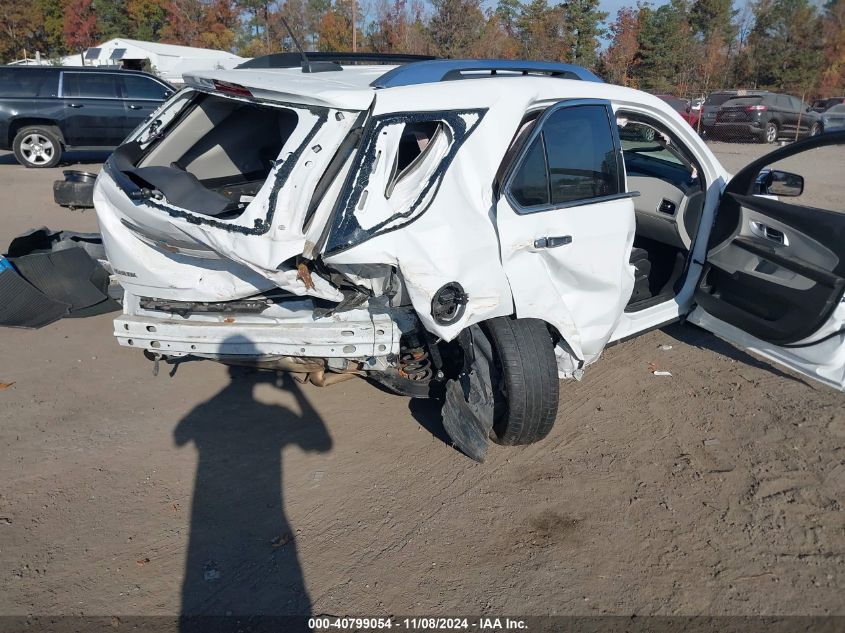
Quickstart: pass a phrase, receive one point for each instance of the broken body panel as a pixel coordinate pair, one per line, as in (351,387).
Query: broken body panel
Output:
(162,251)
(360,227)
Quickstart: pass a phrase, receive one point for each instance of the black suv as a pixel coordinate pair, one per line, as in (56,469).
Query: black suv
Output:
(45,110)
(766,117)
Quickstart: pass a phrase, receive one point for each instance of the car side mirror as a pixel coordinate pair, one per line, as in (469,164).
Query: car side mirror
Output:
(780,183)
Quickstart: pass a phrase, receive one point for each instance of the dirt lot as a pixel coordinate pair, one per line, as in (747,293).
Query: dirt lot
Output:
(717,490)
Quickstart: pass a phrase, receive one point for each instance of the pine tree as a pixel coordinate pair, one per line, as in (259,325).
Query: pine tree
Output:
(786,51)
(620,58)
(666,52)
(456,26)
(112,18)
(833,38)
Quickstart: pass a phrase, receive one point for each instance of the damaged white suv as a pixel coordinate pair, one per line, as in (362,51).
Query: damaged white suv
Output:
(477,229)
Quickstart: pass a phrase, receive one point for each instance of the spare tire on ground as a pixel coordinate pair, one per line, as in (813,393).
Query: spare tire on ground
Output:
(76,191)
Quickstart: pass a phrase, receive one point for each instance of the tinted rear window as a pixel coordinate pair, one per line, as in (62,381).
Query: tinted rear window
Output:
(717,98)
(91,85)
(137,87)
(28,82)
(572,160)
(742,102)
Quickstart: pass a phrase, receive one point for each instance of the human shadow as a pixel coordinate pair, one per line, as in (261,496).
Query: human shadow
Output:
(428,413)
(242,557)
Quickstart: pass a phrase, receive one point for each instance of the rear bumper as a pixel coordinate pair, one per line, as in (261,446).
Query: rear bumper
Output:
(354,335)
(745,127)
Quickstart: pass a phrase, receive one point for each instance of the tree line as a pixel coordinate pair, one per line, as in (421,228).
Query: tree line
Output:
(685,47)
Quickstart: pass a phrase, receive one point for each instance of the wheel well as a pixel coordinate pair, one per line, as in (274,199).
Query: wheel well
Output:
(19,124)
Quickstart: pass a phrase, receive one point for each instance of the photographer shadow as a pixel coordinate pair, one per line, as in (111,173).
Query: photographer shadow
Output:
(242,556)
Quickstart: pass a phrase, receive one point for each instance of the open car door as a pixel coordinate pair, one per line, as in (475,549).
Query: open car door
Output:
(774,275)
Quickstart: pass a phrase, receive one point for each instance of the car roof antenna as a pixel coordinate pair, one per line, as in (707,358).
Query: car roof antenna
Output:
(307,65)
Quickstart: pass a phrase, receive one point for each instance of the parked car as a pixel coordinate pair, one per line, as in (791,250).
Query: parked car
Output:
(682,107)
(766,117)
(45,110)
(714,101)
(834,118)
(821,105)
(472,228)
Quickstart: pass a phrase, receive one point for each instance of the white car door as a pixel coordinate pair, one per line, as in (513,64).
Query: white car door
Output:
(566,224)
(774,276)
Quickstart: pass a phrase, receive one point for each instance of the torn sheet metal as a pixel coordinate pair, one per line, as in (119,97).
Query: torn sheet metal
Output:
(252,251)
(377,197)
(437,228)
(453,237)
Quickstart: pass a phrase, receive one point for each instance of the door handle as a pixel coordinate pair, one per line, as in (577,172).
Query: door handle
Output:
(552,242)
(75,105)
(768,233)
(135,107)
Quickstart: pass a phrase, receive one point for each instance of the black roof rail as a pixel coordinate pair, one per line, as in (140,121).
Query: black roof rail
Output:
(438,70)
(294,60)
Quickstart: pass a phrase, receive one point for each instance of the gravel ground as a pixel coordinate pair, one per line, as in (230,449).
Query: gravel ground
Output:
(718,490)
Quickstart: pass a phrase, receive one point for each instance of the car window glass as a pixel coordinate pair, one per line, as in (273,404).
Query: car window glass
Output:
(573,159)
(650,151)
(743,101)
(135,87)
(717,98)
(530,185)
(839,109)
(28,83)
(580,153)
(91,85)
(795,104)
(820,170)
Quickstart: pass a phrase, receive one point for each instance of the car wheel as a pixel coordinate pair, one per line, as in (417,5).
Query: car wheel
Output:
(770,133)
(648,134)
(37,146)
(815,130)
(526,390)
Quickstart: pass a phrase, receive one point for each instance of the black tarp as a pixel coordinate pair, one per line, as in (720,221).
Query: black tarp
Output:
(47,275)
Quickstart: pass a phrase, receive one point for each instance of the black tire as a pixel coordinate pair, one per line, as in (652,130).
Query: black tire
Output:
(527,389)
(815,129)
(37,146)
(769,133)
(76,195)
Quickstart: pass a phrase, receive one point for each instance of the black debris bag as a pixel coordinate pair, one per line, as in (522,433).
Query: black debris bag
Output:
(47,275)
